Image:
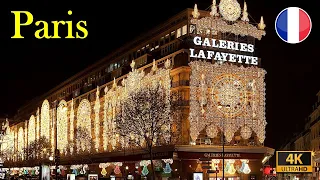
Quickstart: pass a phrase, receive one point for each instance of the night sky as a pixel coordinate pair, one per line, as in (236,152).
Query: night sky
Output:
(30,67)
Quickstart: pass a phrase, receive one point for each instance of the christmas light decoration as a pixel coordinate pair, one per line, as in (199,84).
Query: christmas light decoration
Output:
(62,128)
(144,91)
(245,13)
(104,166)
(97,119)
(45,119)
(25,134)
(230,166)
(261,25)
(37,168)
(85,168)
(31,129)
(236,99)
(7,143)
(230,11)
(214,11)
(117,167)
(244,166)
(195,12)
(145,164)
(167,169)
(105,121)
(75,169)
(145,171)
(38,124)
(199,167)
(20,142)
(215,164)
(83,140)
(71,127)
(52,128)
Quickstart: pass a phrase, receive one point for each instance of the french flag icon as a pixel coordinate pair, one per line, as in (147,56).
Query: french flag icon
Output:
(293,25)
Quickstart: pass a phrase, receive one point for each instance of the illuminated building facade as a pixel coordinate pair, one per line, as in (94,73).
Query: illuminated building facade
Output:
(204,63)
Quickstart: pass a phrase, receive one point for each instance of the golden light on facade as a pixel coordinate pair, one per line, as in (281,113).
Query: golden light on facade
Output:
(83,139)
(97,119)
(62,128)
(71,127)
(227,98)
(45,120)
(20,141)
(31,129)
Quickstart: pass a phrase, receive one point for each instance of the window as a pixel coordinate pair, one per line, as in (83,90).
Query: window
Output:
(178,32)
(172,35)
(166,39)
(161,41)
(184,30)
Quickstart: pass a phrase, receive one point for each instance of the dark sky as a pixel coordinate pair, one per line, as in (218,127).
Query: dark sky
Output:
(30,67)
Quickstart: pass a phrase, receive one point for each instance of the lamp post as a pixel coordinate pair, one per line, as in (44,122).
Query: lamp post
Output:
(222,137)
(56,151)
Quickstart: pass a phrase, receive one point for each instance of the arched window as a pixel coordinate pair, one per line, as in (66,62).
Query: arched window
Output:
(45,119)
(62,126)
(83,130)
(31,130)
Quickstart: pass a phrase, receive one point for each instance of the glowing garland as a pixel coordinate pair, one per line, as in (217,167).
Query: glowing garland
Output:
(235,99)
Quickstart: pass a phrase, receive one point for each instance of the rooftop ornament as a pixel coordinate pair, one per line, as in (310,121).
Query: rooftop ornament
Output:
(229,21)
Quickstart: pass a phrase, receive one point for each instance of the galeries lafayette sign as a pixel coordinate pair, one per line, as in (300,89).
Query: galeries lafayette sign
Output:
(223,56)
(218,155)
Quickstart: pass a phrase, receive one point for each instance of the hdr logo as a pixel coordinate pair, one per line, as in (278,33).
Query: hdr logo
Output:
(43,30)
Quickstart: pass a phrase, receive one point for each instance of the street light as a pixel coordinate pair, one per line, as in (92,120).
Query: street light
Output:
(222,137)
(56,151)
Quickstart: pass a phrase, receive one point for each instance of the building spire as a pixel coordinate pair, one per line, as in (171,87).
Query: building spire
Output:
(261,25)
(132,65)
(195,12)
(214,11)
(245,13)
(114,83)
